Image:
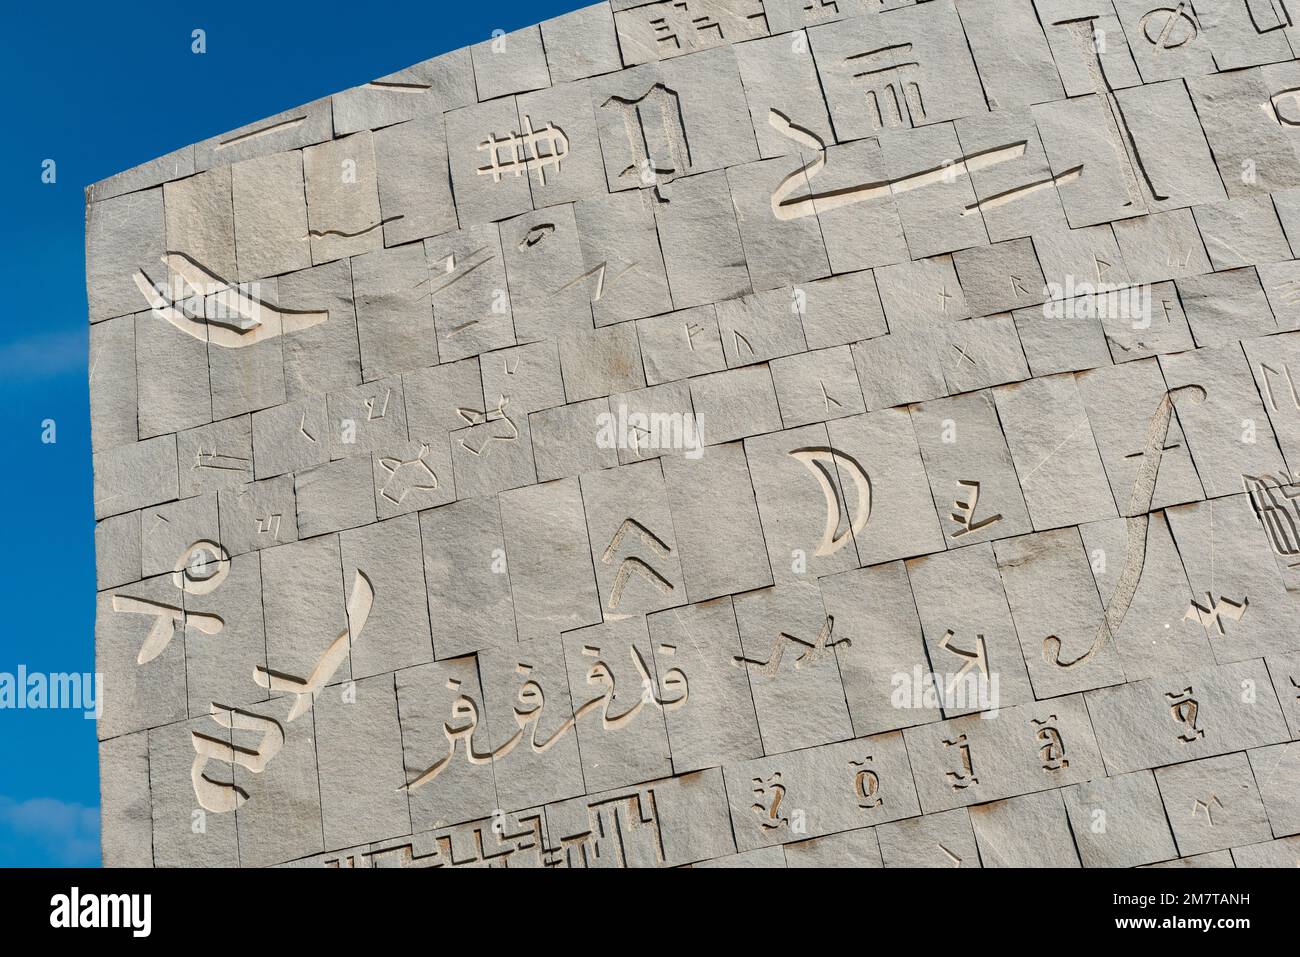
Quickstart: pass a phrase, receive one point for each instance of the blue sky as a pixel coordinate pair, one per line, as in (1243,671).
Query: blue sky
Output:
(100,88)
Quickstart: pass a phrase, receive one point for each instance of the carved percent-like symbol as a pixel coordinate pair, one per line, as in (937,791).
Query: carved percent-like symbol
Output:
(1172,27)
(820,461)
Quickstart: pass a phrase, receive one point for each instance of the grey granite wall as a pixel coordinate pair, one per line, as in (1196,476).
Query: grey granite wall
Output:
(794,432)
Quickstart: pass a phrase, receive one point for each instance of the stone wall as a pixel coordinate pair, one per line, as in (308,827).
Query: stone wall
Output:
(777,432)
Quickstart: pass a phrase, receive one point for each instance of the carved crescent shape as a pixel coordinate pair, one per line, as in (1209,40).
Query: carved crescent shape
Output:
(815,460)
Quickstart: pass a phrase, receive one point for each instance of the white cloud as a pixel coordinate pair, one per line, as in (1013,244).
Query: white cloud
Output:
(44,356)
(68,833)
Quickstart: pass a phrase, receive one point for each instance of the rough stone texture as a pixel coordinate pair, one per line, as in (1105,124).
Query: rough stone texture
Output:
(737,433)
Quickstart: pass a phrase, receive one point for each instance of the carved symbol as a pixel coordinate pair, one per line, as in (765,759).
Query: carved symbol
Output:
(485,437)
(406,476)
(263,131)
(1135,553)
(966,776)
(1167,28)
(219,461)
(1207,806)
(634,564)
(1051,749)
(271,524)
(894,98)
(1276,516)
(218,796)
(820,461)
(1165,448)
(977,658)
(966,511)
(660,151)
(360,601)
(827,398)
(956,861)
(399,87)
(532,702)
(210,309)
(769,794)
(944,298)
(1020,192)
(1216,611)
(1277,17)
(201,568)
(166,619)
(1264,371)
(612,825)
(345,234)
(770,667)
(159,519)
(1286,106)
(529,150)
(599,272)
(1184,707)
(455,268)
(491,843)
(1121,136)
(693,329)
(371,414)
(535,235)
(785,206)
(866,784)
(678,17)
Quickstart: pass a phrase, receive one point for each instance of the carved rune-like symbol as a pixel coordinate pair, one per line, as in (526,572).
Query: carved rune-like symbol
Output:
(632,564)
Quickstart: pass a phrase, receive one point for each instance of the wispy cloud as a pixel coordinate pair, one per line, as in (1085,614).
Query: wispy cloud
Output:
(44,356)
(63,834)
